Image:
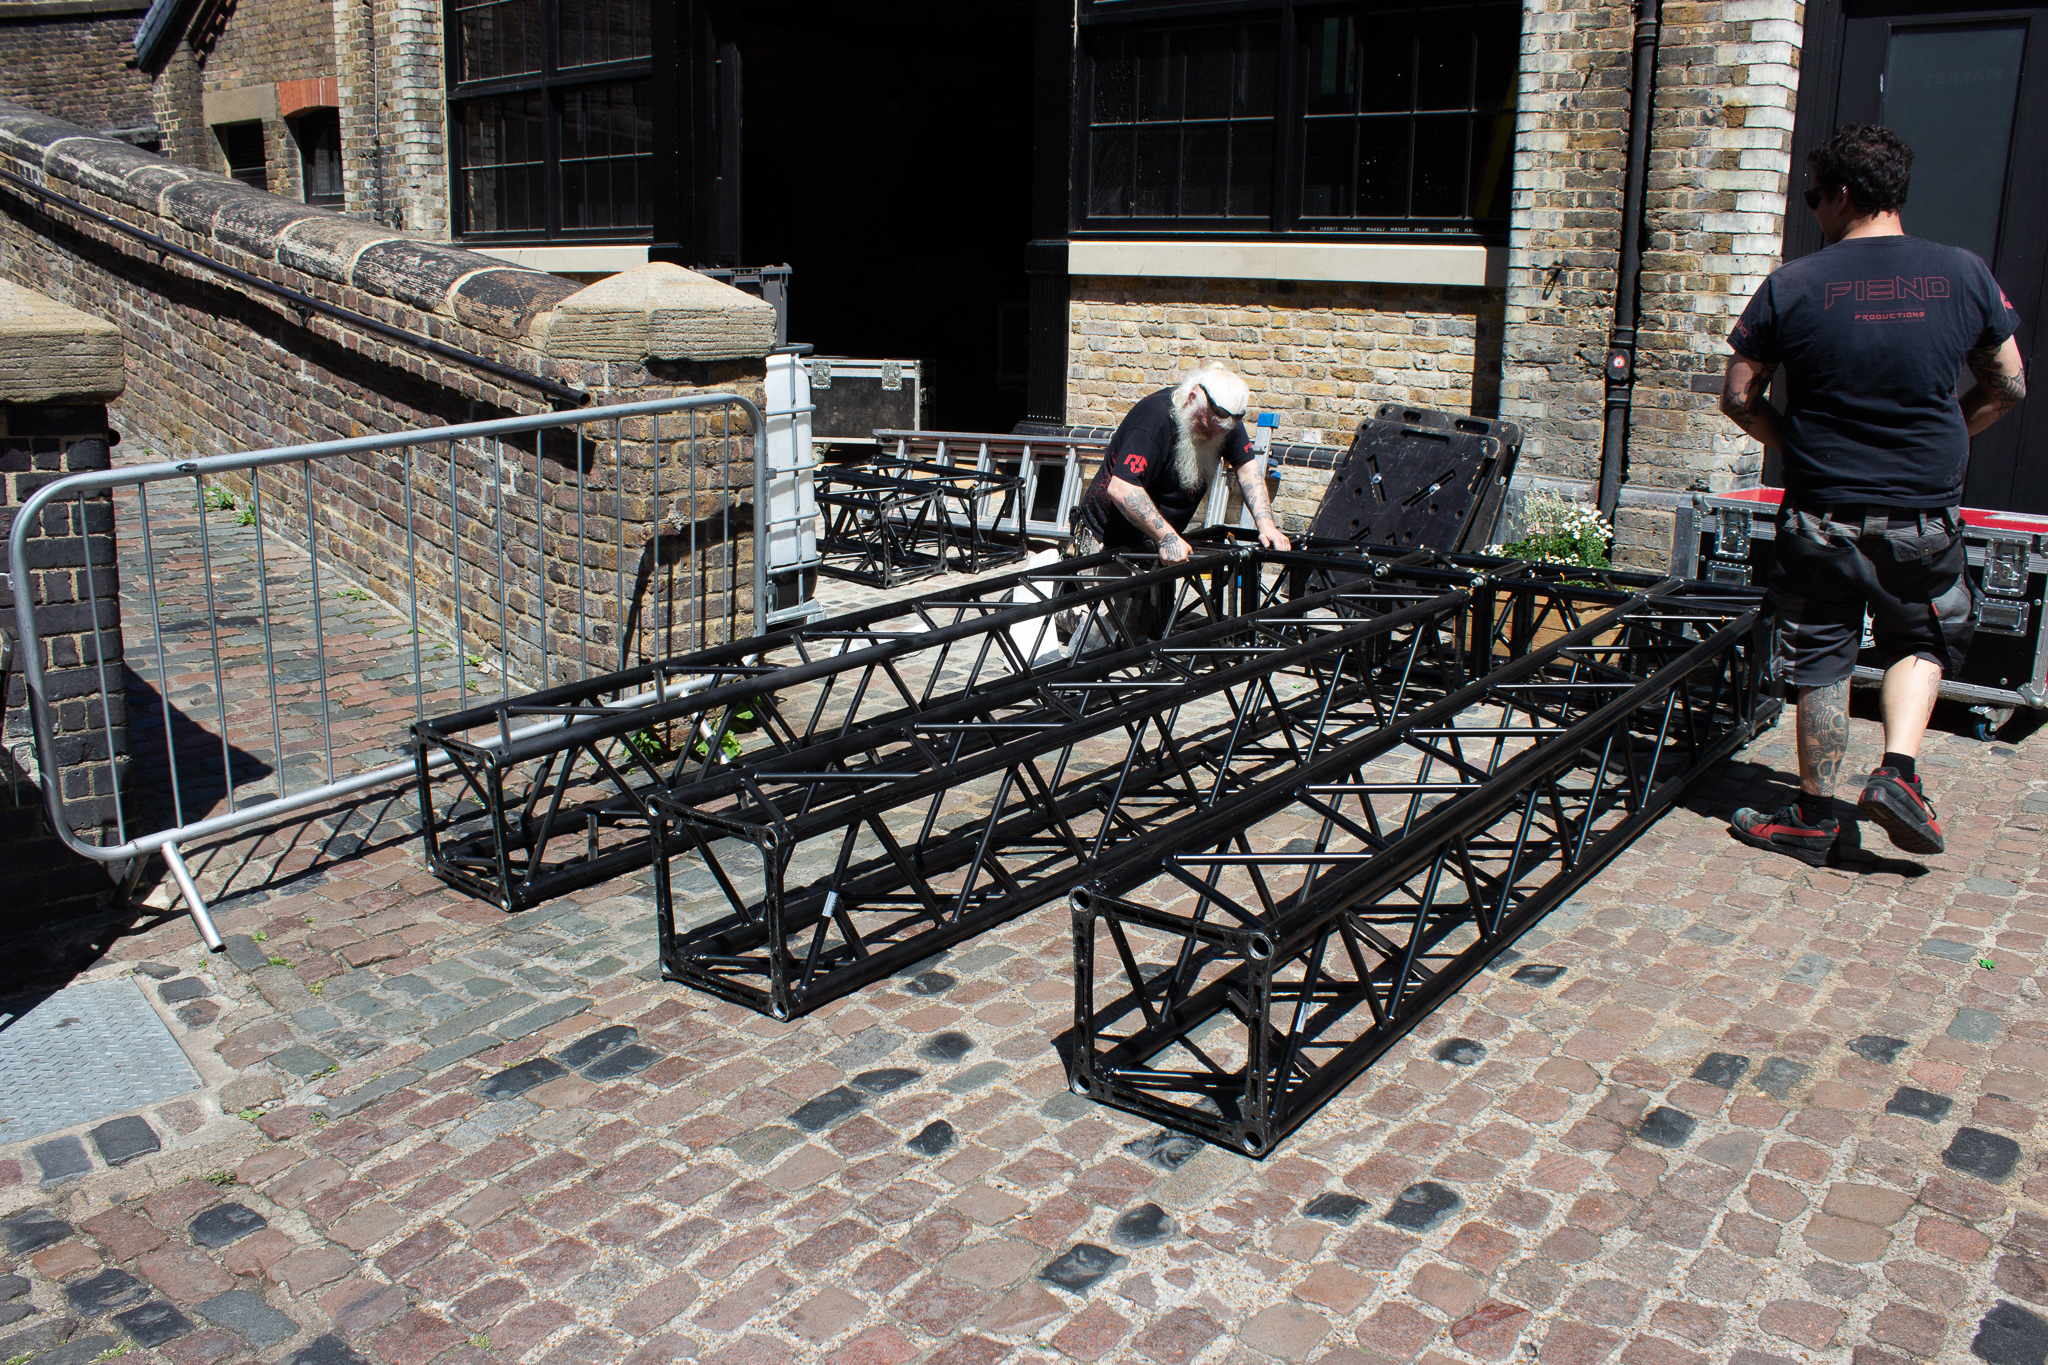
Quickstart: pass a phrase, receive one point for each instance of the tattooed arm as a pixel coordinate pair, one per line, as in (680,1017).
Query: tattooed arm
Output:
(1743,401)
(2001,384)
(1251,481)
(1140,511)
(1823,735)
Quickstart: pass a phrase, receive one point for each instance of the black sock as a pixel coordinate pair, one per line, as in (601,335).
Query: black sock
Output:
(1814,809)
(1901,764)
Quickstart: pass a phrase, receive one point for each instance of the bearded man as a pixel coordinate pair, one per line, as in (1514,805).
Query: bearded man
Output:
(1159,466)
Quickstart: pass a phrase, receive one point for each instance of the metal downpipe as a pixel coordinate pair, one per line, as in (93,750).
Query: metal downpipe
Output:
(1619,365)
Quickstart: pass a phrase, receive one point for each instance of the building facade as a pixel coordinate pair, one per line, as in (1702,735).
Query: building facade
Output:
(1058,205)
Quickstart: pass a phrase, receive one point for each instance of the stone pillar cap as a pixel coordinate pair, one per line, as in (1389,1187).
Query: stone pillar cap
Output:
(658,312)
(52,353)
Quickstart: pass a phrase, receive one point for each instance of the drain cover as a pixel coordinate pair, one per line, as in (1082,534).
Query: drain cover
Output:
(86,1052)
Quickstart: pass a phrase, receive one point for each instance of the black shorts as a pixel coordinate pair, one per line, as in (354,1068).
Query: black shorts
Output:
(1905,567)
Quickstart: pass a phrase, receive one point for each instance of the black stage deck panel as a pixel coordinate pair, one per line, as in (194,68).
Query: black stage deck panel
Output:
(1420,480)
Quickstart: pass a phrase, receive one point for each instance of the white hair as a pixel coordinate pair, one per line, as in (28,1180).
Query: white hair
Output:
(1222,385)
(1195,457)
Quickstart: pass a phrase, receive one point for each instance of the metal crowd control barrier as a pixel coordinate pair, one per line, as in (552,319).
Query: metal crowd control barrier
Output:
(485,551)
(517,823)
(1235,971)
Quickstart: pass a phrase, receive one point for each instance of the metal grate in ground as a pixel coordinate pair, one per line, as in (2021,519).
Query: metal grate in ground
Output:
(86,1052)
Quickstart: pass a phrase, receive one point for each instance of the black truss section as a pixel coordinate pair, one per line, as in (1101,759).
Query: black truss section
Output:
(848,860)
(525,799)
(1234,973)
(891,521)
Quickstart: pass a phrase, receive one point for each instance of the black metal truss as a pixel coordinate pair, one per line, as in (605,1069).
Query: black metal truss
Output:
(1234,973)
(518,818)
(853,858)
(897,520)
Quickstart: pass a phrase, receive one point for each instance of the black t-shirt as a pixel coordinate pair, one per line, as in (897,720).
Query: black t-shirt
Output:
(1872,332)
(1141,452)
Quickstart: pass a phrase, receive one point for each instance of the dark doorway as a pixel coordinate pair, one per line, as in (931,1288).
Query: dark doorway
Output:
(886,157)
(1967,88)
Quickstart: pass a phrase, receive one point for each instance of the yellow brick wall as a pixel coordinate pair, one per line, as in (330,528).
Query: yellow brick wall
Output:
(1321,356)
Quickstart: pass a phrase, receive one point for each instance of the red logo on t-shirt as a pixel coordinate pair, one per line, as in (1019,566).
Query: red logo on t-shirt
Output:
(1876,291)
(1136,462)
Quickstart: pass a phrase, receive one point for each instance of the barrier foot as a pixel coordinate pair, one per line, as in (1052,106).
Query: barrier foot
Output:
(189,889)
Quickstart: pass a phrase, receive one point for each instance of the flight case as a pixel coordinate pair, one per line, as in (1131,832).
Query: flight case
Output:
(2007,666)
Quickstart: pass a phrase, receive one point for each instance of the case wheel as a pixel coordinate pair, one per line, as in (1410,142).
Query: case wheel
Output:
(1986,721)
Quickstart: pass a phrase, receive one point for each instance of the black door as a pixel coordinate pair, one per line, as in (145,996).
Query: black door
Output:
(1967,88)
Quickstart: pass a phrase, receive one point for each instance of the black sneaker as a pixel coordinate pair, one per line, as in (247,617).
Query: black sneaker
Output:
(1785,831)
(1898,807)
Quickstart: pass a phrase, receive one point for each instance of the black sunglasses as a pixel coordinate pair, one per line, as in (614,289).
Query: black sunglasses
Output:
(1815,195)
(1219,409)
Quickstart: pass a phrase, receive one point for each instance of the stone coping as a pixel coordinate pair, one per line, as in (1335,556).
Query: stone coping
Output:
(52,353)
(664,312)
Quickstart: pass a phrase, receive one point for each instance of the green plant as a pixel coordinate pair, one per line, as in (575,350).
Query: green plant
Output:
(247,516)
(223,1179)
(1987,964)
(277,961)
(475,660)
(647,744)
(353,594)
(1559,530)
(258,937)
(739,720)
(113,1352)
(317,987)
(480,1341)
(249,1115)
(218,499)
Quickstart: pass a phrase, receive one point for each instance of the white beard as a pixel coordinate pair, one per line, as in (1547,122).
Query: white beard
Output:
(1194,458)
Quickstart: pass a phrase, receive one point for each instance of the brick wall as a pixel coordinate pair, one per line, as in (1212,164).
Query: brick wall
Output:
(1727,77)
(1322,356)
(256,47)
(70,552)
(76,67)
(394,123)
(215,369)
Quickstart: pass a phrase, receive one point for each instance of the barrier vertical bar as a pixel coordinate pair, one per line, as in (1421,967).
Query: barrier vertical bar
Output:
(220,694)
(163,677)
(99,654)
(504,583)
(455,561)
(319,619)
(619,561)
(698,605)
(582,567)
(540,562)
(412,596)
(269,655)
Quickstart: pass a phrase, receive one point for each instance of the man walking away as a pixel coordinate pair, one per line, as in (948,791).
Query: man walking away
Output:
(1872,332)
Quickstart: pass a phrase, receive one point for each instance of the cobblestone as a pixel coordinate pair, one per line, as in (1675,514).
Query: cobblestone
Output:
(1658,1149)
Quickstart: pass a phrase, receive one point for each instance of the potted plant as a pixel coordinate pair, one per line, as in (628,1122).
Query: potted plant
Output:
(1556,529)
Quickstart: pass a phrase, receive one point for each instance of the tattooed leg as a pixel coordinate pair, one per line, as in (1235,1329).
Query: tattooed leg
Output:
(1823,736)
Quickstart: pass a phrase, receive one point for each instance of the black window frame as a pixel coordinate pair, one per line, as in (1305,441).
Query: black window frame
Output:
(1285,220)
(237,140)
(554,84)
(307,130)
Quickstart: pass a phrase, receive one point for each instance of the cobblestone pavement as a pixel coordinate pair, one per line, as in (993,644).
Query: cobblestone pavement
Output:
(1720,1108)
